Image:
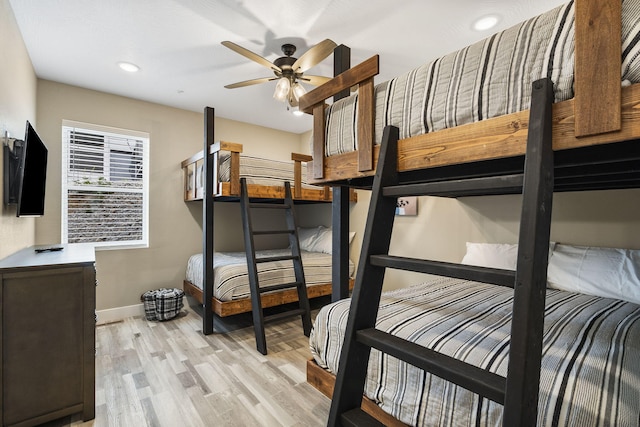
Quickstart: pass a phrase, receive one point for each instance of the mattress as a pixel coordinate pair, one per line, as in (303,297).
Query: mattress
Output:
(231,280)
(590,366)
(261,171)
(490,78)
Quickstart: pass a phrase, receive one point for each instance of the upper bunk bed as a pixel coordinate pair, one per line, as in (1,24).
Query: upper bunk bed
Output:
(477,123)
(265,177)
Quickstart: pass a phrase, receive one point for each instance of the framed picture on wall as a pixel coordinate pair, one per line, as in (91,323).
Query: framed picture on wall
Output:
(407,206)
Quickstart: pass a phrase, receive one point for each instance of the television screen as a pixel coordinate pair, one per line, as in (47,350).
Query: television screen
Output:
(32,174)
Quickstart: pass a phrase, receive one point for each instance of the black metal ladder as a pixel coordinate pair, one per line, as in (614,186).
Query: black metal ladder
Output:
(259,319)
(518,391)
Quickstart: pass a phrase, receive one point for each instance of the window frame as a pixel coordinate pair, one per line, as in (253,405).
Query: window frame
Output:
(106,131)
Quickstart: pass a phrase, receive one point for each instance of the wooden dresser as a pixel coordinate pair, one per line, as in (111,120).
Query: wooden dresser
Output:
(47,336)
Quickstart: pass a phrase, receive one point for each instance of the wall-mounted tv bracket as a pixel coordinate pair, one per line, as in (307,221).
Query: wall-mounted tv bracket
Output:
(11,163)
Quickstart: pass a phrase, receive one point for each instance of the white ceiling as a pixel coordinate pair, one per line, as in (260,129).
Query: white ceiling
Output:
(176,43)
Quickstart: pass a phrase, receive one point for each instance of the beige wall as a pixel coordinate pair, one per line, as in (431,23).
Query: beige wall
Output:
(175,226)
(17,104)
(439,232)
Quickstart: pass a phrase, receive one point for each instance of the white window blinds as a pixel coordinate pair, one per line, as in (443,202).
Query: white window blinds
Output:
(104,185)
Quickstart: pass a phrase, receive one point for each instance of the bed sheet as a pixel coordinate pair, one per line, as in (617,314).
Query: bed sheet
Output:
(591,360)
(231,280)
(262,171)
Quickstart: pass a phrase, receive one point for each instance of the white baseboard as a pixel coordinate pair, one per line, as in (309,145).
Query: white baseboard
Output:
(111,315)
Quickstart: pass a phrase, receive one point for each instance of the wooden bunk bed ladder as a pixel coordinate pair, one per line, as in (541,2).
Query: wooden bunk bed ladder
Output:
(518,391)
(246,206)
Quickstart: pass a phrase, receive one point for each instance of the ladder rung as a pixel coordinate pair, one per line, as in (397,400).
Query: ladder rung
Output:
(268,206)
(357,417)
(276,258)
(459,187)
(284,315)
(268,232)
(279,287)
(494,276)
(477,380)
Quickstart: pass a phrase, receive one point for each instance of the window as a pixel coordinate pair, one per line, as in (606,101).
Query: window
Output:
(104,185)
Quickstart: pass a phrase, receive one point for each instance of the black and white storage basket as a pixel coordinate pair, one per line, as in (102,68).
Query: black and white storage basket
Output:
(162,304)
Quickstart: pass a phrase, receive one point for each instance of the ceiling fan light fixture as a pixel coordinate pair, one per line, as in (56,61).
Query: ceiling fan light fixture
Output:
(282,89)
(298,90)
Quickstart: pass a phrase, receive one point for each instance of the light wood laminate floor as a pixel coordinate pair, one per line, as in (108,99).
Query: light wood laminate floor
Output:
(169,374)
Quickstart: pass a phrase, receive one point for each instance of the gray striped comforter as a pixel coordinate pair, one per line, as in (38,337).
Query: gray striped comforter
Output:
(591,355)
(262,171)
(231,280)
(487,79)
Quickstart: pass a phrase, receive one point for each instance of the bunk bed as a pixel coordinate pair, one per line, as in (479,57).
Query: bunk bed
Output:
(265,178)
(592,130)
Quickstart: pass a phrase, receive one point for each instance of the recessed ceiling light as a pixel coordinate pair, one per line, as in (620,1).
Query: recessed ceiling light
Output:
(486,22)
(129,67)
(298,113)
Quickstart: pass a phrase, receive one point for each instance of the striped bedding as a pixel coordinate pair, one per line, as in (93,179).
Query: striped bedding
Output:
(261,171)
(591,360)
(231,279)
(490,78)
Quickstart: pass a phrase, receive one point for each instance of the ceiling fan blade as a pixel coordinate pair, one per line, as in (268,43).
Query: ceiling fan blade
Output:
(314,55)
(250,82)
(252,56)
(314,80)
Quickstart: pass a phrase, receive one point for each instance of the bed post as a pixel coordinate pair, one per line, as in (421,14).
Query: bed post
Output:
(207,223)
(597,59)
(340,203)
(527,323)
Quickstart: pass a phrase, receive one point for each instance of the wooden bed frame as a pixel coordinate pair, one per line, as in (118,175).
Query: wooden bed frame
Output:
(273,299)
(598,114)
(601,124)
(324,381)
(230,191)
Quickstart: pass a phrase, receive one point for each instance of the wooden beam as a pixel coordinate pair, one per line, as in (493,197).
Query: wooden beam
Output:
(273,299)
(199,155)
(226,146)
(324,381)
(366,117)
(234,173)
(344,81)
(318,140)
(598,51)
(297,157)
(498,137)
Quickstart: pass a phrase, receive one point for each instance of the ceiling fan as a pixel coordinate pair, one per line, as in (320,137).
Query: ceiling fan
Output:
(289,71)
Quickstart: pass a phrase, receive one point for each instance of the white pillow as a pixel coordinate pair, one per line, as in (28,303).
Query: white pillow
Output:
(494,255)
(603,272)
(307,237)
(319,240)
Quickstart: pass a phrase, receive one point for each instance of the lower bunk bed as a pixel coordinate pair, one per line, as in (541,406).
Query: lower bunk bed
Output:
(231,294)
(590,373)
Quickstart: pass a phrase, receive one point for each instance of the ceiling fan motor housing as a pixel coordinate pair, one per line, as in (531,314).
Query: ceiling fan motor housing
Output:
(285,62)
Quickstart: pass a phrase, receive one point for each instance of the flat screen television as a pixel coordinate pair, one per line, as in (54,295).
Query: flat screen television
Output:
(31,174)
